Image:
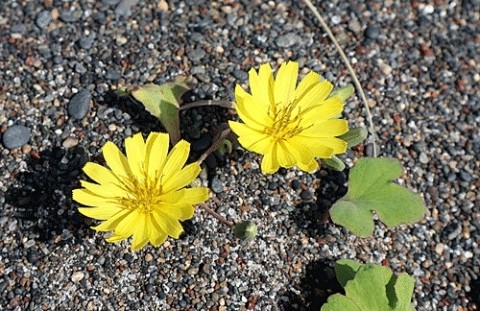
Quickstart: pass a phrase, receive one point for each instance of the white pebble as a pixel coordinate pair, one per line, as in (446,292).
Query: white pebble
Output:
(77,276)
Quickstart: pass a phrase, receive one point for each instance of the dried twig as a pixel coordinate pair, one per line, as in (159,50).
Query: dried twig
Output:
(350,69)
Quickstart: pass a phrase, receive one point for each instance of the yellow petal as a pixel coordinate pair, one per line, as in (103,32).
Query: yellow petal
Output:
(195,195)
(142,232)
(190,196)
(115,159)
(100,212)
(106,190)
(261,84)
(253,113)
(135,148)
(338,145)
(172,197)
(316,95)
(243,130)
(100,174)
(251,139)
(156,153)
(167,224)
(181,178)
(310,167)
(86,197)
(327,128)
(129,223)
(285,83)
(305,158)
(261,146)
(269,163)
(111,223)
(240,93)
(175,160)
(177,211)
(331,108)
(116,238)
(157,235)
(315,146)
(310,80)
(300,151)
(285,157)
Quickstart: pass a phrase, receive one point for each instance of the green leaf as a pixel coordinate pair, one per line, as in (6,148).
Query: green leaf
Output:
(334,163)
(339,302)
(371,287)
(368,288)
(370,189)
(163,102)
(354,136)
(345,270)
(344,92)
(403,288)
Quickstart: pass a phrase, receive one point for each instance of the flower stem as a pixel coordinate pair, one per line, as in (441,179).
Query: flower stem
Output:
(217,216)
(350,69)
(220,136)
(220,103)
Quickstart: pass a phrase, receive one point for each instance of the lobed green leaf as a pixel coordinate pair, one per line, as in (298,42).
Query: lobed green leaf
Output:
(370,188)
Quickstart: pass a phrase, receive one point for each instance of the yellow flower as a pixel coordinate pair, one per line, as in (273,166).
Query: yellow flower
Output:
(289,125)
(142,194)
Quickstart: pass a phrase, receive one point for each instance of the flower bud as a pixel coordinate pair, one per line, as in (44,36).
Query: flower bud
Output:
(246,230)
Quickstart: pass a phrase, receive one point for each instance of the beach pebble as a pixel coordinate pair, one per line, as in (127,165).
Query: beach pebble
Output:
(79,104)
(16,136)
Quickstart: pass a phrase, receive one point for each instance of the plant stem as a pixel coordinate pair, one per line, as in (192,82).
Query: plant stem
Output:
(220,136)
(220,103)
(217,216)
(350,69)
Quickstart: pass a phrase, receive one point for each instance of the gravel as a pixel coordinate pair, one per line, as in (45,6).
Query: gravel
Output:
(419,65)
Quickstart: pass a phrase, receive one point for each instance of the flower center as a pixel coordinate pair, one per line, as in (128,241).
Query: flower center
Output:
(286,122)
(144,196)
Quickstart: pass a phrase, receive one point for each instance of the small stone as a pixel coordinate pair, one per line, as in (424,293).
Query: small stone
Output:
(354,26)
(217,185)
(70,142)
(86,42)
(29,243)
(110,2)
(196,55)
(121,40)
(439,248)
(124,8)
(90,306)
(3,285)
(112,74)
(70,16)
(43,19)
(77,276)
(26,149)
(372,32)
(148,257)
(306,196)
(79,104)
(423,158)
(16,136)
(466,176)
(288,40)
(80,68)
(428,9)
